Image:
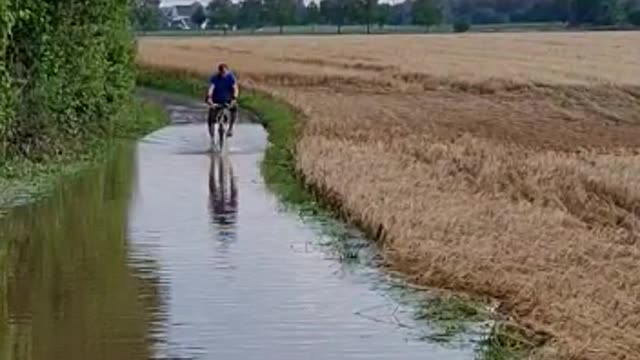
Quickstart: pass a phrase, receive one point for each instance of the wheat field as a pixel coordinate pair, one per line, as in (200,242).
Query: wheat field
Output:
(504,165)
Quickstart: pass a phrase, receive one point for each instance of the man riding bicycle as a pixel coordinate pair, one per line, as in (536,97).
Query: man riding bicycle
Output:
(223,89)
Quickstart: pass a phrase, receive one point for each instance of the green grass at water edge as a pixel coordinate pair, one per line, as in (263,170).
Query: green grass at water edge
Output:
(176,81)
(278,166)
(23,181)
(509,342)
(449,316)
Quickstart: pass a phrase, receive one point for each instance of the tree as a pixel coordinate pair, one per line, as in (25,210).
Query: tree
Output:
(542,11)
(199,15)
(629,6)
(336,12)
(250,14)
(426,13)
(221,13)
(363,12)
(601,12)
(326,10)
(461,26)
(401,13)
(511,6)
(609,12)
(146,15)
(370,13)
(383,14)
(280,12)
(313,15)
(462,9)
(300,13)
(634,17)
(485,15)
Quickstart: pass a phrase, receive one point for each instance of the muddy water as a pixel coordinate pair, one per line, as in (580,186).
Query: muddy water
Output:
(169,252)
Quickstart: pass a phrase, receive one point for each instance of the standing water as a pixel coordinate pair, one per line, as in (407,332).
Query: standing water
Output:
(171,252)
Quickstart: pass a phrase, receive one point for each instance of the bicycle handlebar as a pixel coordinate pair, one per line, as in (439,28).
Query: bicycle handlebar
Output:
(223,105)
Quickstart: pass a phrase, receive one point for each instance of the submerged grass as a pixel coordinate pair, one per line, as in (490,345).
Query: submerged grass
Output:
(449,315)
(498,346)
(23,181)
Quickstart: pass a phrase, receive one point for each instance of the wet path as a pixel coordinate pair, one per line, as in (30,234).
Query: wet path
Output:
(209,265)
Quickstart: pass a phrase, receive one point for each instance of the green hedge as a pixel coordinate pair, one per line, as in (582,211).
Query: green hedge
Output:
(66,71)
(634,17)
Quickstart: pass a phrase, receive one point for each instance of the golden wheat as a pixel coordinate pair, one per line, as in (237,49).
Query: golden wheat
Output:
(502,165)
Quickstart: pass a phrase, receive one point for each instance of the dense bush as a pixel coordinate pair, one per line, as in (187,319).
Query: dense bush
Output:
(66,70)
(5,91)
(634,17)
(461,26)
(488,16)
(542,11)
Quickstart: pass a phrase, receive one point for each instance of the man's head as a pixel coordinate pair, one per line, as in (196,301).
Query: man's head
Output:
(223,69)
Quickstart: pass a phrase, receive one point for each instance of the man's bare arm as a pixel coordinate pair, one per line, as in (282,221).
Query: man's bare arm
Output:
(210,93)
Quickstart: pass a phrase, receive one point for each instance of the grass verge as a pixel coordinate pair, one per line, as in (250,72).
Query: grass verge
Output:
(450,315)
(22,181)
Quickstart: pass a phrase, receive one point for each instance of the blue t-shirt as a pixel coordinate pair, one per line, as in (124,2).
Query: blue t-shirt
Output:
(223,87)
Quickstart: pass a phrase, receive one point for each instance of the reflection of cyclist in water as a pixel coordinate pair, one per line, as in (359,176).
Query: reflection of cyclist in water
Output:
(223,195)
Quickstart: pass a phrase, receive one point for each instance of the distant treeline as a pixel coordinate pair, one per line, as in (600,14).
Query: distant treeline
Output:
(225,14)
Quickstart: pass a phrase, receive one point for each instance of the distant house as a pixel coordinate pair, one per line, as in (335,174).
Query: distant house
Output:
(179,16)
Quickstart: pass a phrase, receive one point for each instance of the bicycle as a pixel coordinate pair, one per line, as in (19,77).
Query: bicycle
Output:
(220,125)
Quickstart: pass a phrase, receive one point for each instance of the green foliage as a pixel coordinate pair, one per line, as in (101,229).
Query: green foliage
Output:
(221,13)
(426,13)
(634,17)
(336,12)
(383,14)
(146,15)
(140,118)
(509,342)
(313,15)
(199,16)
(609,12)
(250,14)
(66,70)
(6,93)
(576,12)
(180,82)
(461,26)
(280,12)
(599,12)
(22,179)
(449,316)
(364,12)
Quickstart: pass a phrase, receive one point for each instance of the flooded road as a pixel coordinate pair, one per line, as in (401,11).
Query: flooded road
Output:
(170,252)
